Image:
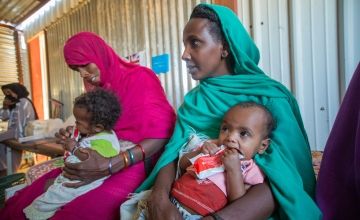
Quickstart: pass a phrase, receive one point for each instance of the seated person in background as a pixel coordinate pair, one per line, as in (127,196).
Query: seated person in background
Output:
(96,113)
(244,132)
(18,110)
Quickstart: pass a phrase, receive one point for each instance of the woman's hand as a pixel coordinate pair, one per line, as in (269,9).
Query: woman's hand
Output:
(87,171)
(159,203)
(257,203)
(160,206)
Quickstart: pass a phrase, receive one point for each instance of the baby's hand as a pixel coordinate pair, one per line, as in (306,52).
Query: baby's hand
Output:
(70,144)
(64,134)
(209,148)
(231,160)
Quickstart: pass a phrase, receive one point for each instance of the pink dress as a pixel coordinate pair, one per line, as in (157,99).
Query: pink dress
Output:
(146,113)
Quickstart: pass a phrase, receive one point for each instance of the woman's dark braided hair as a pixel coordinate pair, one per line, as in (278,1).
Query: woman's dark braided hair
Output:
(214,27)
(103,105)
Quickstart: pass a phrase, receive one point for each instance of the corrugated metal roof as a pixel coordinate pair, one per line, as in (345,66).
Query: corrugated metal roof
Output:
(13,12)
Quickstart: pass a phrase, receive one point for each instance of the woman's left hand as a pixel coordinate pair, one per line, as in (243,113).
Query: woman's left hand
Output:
(87,171)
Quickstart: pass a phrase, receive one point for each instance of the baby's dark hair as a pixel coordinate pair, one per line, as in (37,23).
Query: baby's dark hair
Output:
(103,105)
(271,123)
(201,11)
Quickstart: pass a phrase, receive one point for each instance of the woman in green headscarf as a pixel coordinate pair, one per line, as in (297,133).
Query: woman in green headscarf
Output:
(220,53)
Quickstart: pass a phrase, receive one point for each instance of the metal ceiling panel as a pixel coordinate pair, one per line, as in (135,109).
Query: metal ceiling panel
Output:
(14,12)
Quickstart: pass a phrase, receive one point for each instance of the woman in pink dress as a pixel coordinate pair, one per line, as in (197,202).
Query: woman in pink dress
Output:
(147,120)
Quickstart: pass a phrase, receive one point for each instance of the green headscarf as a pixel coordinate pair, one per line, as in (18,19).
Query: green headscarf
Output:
(287,162)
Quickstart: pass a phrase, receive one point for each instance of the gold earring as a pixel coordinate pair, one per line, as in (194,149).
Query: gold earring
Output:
(224,54)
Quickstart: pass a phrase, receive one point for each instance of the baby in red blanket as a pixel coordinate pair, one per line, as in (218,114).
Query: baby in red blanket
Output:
(221,170)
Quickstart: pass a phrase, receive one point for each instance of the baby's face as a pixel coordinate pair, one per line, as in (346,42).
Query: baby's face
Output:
(243,129)
(83,119)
